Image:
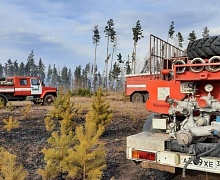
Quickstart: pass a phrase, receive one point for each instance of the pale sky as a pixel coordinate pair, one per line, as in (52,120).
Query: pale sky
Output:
(60,31)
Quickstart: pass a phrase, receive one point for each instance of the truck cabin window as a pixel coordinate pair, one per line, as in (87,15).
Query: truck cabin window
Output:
(23,82)
(35,82)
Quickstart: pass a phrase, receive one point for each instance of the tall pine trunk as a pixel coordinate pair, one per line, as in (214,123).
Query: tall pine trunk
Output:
(134,60)
(84,172)
(106,67)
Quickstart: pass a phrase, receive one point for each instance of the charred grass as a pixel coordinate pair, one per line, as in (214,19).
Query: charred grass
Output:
(28,140)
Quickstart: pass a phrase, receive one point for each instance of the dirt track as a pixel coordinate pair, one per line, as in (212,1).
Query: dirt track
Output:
(28,140)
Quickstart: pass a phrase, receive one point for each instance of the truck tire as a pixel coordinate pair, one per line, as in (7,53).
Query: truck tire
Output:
(48,99)
(161,175)
(204,48)
(137,98)
(3,100)
(145,96)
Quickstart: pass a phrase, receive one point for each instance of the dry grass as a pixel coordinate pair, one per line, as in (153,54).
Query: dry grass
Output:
(119,104)
(28,140)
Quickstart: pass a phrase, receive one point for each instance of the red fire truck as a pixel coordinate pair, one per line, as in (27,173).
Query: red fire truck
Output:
(183,129)
(20,88)
(135,87)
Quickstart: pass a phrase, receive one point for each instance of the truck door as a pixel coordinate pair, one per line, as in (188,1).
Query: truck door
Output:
(36,87)
(22,87)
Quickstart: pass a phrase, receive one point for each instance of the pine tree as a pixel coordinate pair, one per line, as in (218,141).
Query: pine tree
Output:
(171,31)
(55,156)
(63,109)
(2,105)
(1,70)
(49,123)
(55,77)
(9,67)
(95,80)
(137,35)
(99,82)
(5,69)
(41,70)
(26,110)
(9,170)
(10,106)
(49,75)
(30,67)
(78,77)
(88,156)
(70,78)
(192,36)
(114,49)
(115,71)
(128,69)
(205,33)
(85,78)
(180,39)
(61,140)
(65,79)
(21,69)
(96,38)
(110,33)
(81,156)
(10,123)
(101,112)
(114,75)
(15,64)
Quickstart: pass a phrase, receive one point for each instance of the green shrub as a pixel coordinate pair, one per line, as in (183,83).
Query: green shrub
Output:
(82,92)
(2,106)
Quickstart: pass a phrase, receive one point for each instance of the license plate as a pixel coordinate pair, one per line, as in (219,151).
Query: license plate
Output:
(207,163)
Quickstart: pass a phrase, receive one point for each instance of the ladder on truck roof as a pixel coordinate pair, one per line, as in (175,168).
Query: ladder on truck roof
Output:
(161,50)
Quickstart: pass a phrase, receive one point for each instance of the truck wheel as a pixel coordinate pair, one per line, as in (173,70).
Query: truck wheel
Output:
(204,48)
(137,98)
(162,175)
(145,97)
(3,100)
(48,99)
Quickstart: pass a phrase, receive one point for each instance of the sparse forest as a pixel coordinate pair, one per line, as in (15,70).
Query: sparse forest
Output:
(91,77)
(85,80)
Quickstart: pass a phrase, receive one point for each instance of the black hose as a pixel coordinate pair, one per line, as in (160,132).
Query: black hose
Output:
(186,164)
(210,150)
(197,157)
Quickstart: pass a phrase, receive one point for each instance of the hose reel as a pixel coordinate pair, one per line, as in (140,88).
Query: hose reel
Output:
(197,68)
(214,68)
(179,70)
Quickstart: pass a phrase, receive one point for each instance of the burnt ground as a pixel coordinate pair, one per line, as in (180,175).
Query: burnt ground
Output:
(28,140)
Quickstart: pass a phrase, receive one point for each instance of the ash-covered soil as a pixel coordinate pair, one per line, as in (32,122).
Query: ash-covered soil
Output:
(28,140)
